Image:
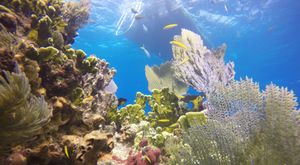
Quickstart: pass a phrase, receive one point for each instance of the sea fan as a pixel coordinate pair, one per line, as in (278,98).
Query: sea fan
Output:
(198,66)
(214,143)
(22,115)
(278,141)
(246,126)
(240,104)
(163,76)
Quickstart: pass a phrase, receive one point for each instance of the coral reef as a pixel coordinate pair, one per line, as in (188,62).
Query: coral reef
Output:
(198,66)
(52,111)
(58,105)
(145,155)
(88,148)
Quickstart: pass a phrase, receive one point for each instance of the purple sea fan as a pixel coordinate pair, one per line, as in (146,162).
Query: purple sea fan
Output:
(198,66)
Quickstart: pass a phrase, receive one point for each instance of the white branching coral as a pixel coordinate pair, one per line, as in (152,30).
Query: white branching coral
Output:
(198,66)
(22,115)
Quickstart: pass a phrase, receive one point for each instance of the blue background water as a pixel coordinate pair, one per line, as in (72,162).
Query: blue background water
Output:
(263,39)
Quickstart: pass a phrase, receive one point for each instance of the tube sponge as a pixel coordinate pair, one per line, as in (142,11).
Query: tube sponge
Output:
(22,115)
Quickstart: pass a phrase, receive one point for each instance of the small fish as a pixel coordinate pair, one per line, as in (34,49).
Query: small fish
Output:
(185,60)
(66,152)
(170,26)
(145,51)
(42,91)
(138,17)
(175,125)
(179,44)
(121,101)
(87,99)
(145,28)
(147,158)
(164,120)
(134,11)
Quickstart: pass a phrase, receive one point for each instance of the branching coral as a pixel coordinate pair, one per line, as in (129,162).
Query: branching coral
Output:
(22,114)
(131,114)
(198,66)
(165,108)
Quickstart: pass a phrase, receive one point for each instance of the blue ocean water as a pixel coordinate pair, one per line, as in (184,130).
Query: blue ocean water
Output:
(262,36)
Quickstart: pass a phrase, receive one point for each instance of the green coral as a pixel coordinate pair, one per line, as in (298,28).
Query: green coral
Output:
(47,53)
(155,136)
(86,65)
(22,114)
(192,119)
(165,109)
(132,113)
(58,40)
(44,30)
(77,96)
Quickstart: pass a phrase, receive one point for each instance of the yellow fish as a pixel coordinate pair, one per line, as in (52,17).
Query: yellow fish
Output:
(175,125)
(66,152)
(186,59)
(179,44)
(87,99)
(170,26)
(147,158)
(164,120)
